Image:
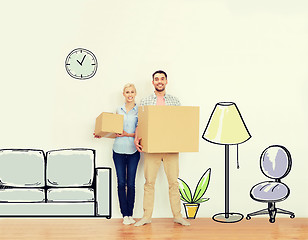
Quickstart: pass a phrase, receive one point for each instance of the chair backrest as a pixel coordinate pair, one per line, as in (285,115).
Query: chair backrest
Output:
(276,162)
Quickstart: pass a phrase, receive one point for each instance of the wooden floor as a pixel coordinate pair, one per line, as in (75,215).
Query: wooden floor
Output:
(164,228)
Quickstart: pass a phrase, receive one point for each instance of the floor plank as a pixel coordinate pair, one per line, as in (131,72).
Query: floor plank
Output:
(160,228)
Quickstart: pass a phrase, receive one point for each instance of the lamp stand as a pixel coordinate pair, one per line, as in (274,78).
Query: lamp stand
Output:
(227,217)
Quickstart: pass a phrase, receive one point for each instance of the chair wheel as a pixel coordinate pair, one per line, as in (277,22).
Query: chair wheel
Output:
(272,220)
(292,216)
(248,217)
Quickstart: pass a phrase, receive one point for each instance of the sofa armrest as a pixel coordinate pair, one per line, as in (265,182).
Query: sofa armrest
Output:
(103,192)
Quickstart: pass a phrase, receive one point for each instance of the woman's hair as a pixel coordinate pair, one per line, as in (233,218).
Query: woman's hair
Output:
(129,85)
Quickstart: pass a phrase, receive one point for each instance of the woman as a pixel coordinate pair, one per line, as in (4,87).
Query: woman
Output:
(125,155)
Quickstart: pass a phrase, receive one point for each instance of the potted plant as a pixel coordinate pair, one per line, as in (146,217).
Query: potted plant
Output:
(193,201)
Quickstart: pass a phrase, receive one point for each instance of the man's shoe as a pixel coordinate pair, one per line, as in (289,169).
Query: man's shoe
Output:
(181,221)
(142,222)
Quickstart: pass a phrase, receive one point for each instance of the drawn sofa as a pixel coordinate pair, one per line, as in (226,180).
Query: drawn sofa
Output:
(58,183)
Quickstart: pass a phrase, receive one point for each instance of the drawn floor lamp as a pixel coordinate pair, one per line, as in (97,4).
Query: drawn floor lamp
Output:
(226,127)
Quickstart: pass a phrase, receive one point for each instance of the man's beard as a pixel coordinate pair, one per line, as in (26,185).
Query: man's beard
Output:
(160,90)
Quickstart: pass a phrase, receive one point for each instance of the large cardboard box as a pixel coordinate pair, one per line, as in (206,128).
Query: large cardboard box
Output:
(166,129)
(108,124)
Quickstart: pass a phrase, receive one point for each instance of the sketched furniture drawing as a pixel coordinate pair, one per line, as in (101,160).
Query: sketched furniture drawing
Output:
(226,127)
(58,183)
(275,163)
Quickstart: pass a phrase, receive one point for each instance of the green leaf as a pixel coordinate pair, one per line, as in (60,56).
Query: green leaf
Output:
(184,191)
(202,186)
(202,200)
(182,199)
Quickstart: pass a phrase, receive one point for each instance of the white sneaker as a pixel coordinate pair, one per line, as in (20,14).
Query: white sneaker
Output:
(132,221)
(181,221)
(142,222)
(126,221)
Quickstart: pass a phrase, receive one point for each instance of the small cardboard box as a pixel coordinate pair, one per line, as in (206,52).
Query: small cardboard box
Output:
(166,129)
(108,124)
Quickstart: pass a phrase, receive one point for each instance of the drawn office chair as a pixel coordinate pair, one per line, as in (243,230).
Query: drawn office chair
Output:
(275,163)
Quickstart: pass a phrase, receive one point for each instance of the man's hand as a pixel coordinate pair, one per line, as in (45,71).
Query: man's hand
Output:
(137,144)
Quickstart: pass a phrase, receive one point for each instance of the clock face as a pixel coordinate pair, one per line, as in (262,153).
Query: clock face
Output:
(81,64)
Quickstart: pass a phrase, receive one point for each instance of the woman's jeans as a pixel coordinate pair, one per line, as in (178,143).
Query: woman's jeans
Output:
(126,167)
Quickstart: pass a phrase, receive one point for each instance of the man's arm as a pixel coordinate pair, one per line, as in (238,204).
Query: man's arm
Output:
(137,141)
(137,138)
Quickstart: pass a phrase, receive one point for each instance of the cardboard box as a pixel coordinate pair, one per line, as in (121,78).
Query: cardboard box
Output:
(108,124)
(166,129)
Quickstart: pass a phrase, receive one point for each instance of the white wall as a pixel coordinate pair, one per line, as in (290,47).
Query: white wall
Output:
(253,53)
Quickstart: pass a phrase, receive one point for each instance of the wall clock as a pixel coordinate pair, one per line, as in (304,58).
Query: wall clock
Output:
(81,64)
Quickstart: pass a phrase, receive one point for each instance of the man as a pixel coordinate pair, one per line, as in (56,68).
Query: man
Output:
(152,161)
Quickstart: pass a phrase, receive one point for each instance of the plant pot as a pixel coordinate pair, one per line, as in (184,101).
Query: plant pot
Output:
(191,210)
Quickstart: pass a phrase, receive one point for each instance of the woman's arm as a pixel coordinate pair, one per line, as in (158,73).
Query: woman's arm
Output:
(125,134)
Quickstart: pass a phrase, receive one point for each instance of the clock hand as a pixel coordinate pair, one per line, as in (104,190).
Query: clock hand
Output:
(81,60)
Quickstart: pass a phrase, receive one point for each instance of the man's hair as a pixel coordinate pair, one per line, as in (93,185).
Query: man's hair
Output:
(159,71)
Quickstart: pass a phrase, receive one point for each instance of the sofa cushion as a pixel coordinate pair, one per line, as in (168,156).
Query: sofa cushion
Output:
(22,195)
(70,195)
(21,168)
(44,210)
(70,167)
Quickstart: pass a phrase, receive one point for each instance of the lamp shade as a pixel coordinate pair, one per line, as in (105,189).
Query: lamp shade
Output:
(226,125)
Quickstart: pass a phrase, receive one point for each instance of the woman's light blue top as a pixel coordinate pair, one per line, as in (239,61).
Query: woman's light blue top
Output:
(125,145)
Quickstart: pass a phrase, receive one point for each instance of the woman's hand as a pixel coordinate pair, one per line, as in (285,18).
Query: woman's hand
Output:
(96,136)
(124,134)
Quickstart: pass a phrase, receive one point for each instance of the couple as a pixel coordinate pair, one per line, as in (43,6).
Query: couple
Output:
(126,154)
